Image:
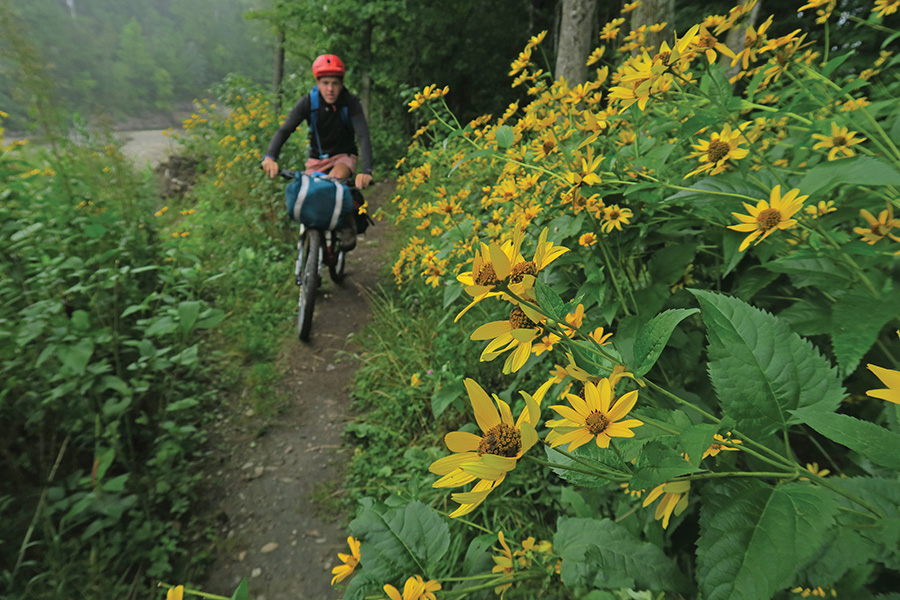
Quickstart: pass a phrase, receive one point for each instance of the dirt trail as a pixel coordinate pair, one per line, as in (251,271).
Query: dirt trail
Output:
(264,471)
(273,532)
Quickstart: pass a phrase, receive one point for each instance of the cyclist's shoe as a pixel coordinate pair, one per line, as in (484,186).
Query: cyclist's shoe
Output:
(347,236)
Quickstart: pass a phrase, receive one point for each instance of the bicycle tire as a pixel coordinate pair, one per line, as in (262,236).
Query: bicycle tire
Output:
(338,263)
(308,283)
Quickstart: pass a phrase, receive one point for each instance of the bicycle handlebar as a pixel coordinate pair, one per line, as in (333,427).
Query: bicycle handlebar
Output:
(291,174)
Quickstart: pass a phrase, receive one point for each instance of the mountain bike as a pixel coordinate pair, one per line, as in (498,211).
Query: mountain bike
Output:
(316,250)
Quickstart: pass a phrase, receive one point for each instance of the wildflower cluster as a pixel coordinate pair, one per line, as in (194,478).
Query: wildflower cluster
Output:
(763,171)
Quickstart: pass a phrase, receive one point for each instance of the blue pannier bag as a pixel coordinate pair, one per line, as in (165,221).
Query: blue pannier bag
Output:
(317,202)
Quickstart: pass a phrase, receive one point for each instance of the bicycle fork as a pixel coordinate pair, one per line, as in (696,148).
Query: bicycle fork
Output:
(298,264)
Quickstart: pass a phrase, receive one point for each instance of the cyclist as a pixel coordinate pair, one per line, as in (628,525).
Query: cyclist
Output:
(338,123)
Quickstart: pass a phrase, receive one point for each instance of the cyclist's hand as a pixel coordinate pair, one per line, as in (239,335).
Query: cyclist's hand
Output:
(363,180)
(270,167)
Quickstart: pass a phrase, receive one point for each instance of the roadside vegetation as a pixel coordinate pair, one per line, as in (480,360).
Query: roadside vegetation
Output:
(644,341)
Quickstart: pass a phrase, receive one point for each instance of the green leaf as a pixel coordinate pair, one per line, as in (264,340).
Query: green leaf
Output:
(410,539)
(242,592)
(187,314)
(75,357)
(653,336)
(667,264)
(505,136)
(843,550)
(862,170)
(807,271)
(658,463)
(696,439)
(102,461)
(210,318)
(81,320)
(444,397)
(182,404)
(875,443)
(755,537)
(604,459)
(857,319)
(603,554)
(760,369)
(550,300)
(161,326)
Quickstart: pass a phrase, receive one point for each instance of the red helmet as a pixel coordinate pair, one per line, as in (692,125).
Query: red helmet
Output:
(328,65)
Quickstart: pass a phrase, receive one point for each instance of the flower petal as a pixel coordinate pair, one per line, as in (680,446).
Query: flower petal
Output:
(462,441)
(485,412)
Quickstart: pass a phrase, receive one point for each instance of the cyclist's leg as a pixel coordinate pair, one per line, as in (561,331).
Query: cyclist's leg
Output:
(341,171)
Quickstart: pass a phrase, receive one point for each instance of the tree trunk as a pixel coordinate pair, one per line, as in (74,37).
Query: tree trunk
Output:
(365,80)
(575,29)
(651,12)
(278,77)
(738,35)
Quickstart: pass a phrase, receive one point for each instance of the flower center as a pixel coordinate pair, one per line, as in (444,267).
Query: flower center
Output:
(663,57)
(501,440)
(596,423)
(707,41)
(520,270)
(718,150)
(614,215)
(519,320)
(487,276)
(768,219)
(839,141)
(880,229)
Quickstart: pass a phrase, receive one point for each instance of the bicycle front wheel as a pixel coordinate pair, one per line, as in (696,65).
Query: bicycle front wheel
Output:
(309,282)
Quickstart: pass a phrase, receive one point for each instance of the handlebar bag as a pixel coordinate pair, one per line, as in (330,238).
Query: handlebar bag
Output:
(318,203)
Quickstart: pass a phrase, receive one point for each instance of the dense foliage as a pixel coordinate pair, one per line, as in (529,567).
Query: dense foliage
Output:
(686,273)
(102,349)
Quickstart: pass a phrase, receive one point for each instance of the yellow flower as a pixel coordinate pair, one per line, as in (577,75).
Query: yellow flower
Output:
(415,380)
(631,6)
(429,93)
(342,572)
(721,147)
(175,593)
(594,417)
(878,228)
(588,239)
(489,457)
(514,335)
(674,500)
(766,217)
(503,565)
(886,7)
(614,217)
(719,444)
(502,266)
(891,379)
(161,211)
(415,588)
(600,337)
(839,142)
(820,209)
(611,30)
(706,43)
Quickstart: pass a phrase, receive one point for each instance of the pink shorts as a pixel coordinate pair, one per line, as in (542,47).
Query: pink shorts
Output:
(324,165)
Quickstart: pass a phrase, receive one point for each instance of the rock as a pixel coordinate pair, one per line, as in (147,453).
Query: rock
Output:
(270,547)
